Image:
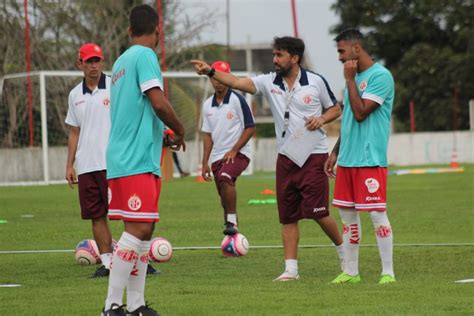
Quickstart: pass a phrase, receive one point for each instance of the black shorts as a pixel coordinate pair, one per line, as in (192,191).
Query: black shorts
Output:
(93,194)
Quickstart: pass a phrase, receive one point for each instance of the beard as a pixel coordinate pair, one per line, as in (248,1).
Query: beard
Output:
(283,71)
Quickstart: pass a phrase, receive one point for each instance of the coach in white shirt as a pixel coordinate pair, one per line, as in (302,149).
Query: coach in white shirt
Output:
(89,119)
(299,100)
(227,126)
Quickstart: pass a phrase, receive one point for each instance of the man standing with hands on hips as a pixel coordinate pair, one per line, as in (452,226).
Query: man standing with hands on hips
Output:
(361,154)
(297,98)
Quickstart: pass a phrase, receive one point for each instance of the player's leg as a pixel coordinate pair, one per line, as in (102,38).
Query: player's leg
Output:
(344,199)
(94,206)
(329,226)
(289,201)
(383,233)
(134,200)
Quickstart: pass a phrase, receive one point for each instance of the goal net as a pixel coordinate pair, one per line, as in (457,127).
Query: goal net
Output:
(33,139)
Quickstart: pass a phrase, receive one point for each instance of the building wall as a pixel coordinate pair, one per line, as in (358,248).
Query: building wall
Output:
(25,165)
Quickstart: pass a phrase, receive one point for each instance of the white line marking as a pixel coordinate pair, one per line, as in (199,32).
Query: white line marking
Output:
(464,281)
(255,247)
(10,285)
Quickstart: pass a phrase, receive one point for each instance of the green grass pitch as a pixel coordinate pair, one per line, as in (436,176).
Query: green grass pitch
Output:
(423,209)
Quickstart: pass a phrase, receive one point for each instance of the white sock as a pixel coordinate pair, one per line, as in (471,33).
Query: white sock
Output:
(340,253)
(384,235)
(136,282)
(352,235)
(106,259)
(291,266)
(232,218)
(123,260)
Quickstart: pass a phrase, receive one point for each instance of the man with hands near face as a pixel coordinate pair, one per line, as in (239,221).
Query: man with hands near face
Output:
(361,154)
(227,127)
(297,98)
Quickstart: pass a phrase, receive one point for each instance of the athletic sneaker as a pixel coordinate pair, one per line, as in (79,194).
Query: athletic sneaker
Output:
(101,272)
(143,311)
(287,276)
(346,278)
(115,310)
(230,228)
(387,278)
(152,271)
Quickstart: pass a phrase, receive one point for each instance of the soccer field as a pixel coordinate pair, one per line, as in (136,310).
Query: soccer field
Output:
(431,215)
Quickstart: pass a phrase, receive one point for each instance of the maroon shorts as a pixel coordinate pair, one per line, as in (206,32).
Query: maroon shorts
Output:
(135,198)
(362,188)
(229,172)
(302,192)
(93,194)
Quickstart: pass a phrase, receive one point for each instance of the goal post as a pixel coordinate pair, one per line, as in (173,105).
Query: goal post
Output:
(45,161)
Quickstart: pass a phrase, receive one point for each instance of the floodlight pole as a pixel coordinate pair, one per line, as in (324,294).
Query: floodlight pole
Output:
(295,20)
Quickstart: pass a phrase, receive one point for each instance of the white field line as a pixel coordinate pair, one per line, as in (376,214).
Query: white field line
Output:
(254,247)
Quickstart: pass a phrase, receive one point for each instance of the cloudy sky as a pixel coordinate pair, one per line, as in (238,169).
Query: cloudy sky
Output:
(258,21)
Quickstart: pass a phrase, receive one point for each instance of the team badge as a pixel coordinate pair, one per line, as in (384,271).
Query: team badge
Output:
(307,99)
(134,203)
(230,115)
(363,85)
(372,185)
(106,102)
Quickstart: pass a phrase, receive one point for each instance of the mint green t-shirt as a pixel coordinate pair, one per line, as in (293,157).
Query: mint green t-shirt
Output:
(136,133)
(365,144)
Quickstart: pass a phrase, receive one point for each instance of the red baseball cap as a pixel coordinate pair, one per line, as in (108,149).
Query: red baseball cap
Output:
(90,50)
(221,66)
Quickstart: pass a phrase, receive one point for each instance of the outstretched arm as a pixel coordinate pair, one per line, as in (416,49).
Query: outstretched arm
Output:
(228,79)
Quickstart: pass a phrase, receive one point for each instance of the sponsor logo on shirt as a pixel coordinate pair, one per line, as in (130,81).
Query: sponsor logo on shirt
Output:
(307,99)
(118,75)
(372,185)
(134,203)
(79,102)
(275,91)
(363,85)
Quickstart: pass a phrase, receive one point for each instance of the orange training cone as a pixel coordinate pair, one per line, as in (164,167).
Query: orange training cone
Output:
(454,159)
(199,177)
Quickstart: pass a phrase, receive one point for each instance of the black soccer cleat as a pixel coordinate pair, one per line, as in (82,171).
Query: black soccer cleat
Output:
(115,310)
(143,311)
(101,272)
(152,271)
(230,228)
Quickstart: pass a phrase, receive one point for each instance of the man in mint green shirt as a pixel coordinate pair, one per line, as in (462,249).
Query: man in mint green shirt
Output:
(133,159)
(361,153)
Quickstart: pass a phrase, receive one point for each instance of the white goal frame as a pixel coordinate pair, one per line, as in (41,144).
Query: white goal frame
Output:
(42,74)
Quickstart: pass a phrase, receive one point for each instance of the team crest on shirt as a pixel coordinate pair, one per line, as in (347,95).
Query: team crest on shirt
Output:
(79,102)
(106,102)
(230,115)
(307,99)
(363,85)
(134,202)
(372,185)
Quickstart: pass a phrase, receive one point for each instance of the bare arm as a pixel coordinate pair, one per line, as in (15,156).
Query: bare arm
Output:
(166,113)
(331,161)
(244,138)
(228,79)
(207,147)
(330,115)
(360,107)
(73,140)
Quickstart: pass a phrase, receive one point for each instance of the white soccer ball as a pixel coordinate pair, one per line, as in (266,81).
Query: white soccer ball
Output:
(160,250)
(235,245)
(87,252)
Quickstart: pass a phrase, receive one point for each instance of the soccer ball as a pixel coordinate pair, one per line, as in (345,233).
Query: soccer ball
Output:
(160,250)
(235,245)
(87,252)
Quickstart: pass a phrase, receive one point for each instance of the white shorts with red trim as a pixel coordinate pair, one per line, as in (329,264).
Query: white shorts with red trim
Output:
(135,198)
(362,188)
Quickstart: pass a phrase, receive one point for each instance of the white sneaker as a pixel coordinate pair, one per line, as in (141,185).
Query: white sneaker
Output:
(287,276)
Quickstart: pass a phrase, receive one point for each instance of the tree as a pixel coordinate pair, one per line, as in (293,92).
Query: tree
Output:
(428,46)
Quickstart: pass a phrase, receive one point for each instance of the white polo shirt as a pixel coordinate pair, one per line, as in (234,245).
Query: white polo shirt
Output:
(226,123)
(90,111)
(311,93)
